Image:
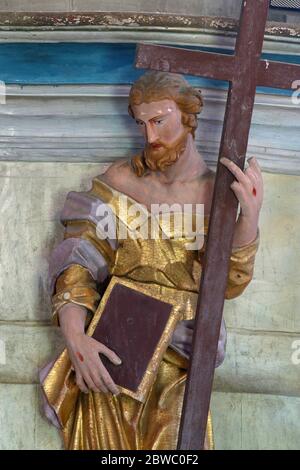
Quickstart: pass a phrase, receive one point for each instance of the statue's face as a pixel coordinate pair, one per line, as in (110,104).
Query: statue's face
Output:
(164,134)
(159,121)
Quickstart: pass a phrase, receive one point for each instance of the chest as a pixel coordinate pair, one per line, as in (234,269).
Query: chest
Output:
(195,193)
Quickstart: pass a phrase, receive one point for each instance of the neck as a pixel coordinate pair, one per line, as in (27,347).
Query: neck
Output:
(189,165)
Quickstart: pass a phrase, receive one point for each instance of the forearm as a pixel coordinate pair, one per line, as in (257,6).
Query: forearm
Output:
(72,319)
(241,264)
(245,231)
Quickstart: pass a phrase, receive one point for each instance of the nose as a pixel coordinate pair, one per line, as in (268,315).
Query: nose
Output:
(151,134)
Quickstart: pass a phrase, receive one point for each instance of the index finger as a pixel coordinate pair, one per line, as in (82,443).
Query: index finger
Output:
(111,355)
(108,381)
(236,171)
(253,163)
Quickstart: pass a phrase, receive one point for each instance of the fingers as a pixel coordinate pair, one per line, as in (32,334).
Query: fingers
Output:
(95,377)
(108,381)
(247,185)
(253,163)
(252,176)
(90,372)
(98,370)
(254,170)
(83,376)
(239,192)
(98,381)
(237,172)
(89,377)
(80,383)
(85,382)
(92,383)
(111,355)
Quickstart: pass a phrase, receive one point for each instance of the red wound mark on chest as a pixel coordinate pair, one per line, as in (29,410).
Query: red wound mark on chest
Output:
(254,192)
(80,356)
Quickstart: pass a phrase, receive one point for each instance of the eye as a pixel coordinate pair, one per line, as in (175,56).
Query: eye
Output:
(139,123)
(159,122)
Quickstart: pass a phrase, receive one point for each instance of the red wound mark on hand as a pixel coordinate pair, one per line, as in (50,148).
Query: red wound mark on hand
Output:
(254,192)
(80,356)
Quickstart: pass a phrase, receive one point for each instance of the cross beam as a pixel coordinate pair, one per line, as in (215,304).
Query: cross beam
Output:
(244,70)
(217,66)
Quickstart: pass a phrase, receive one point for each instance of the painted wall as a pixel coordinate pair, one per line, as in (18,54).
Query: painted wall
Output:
(258,385)
(55,139)
(56,123)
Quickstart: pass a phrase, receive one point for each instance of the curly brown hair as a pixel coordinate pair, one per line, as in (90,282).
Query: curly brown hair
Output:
(156,86)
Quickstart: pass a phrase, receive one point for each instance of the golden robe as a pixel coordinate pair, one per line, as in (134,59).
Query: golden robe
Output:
(104,421)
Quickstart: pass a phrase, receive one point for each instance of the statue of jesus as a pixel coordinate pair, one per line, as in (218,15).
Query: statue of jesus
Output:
(90,411)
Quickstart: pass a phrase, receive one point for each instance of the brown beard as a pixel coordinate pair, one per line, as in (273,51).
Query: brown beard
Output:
(160,159)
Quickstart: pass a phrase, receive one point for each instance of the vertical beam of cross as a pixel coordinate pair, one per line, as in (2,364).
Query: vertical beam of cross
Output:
(234,143)
(245,70)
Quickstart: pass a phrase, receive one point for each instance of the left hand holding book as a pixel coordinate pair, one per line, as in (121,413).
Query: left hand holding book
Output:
(84,352)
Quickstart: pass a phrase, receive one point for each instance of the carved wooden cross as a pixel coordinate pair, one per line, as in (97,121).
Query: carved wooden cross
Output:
(245,70)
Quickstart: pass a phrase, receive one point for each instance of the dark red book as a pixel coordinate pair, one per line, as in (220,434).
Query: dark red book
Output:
(138,328)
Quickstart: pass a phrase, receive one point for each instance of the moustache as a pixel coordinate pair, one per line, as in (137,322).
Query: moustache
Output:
(156,146)
(159,156)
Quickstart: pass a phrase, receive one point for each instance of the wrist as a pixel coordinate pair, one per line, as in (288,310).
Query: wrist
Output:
(245,230)
(250,218)
(72,321)
(73,339)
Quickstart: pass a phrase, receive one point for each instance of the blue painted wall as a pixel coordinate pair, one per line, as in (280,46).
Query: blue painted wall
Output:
(87,63)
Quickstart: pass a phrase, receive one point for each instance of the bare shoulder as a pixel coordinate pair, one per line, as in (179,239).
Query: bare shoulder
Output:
(119,175)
